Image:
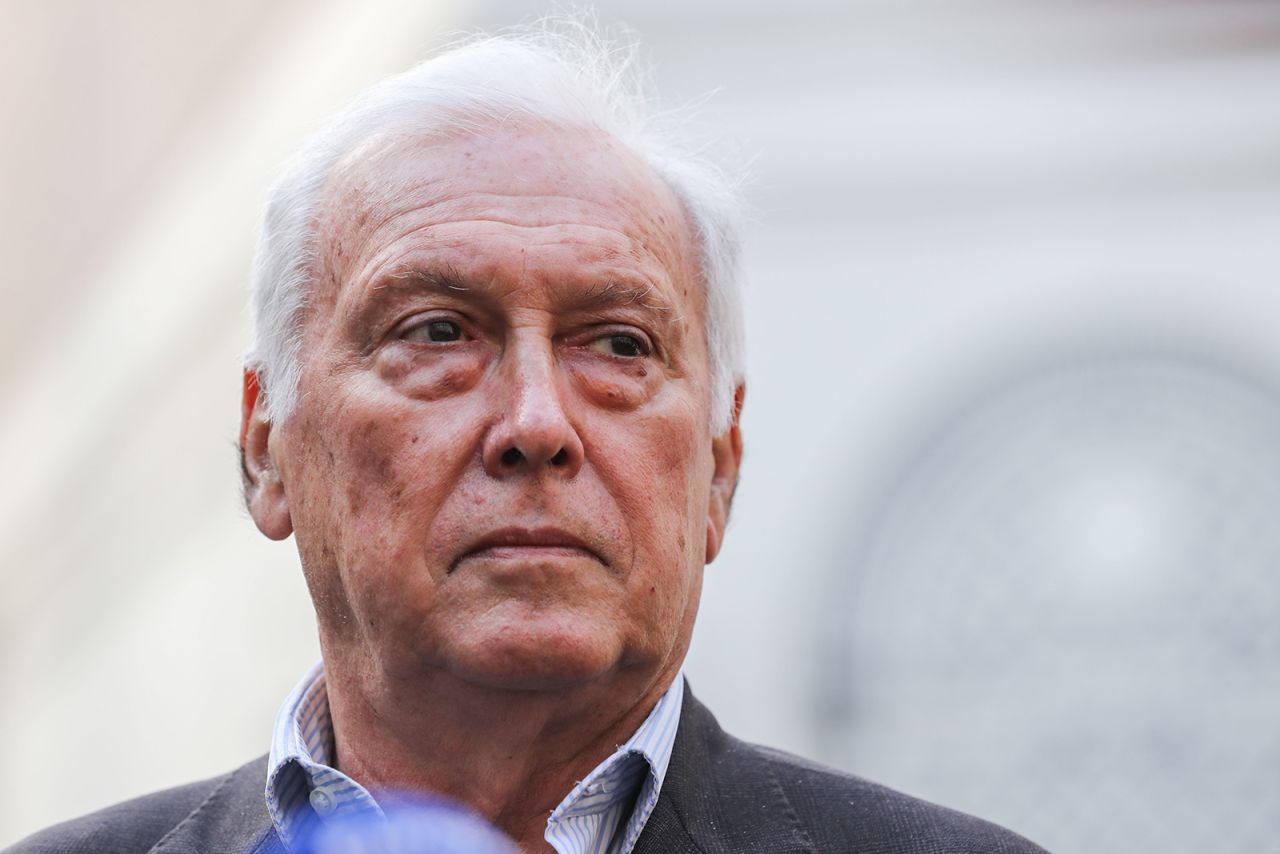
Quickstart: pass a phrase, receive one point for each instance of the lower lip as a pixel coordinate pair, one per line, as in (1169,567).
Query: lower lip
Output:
(529,553)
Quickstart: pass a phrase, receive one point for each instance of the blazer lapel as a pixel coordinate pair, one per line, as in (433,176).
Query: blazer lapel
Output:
(666,830)
(233,819)
(717,798)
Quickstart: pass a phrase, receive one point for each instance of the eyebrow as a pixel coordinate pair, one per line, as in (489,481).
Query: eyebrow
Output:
(609,293)
(612,293)
(445,278)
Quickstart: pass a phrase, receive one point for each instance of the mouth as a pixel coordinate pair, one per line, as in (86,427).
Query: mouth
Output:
(528,544)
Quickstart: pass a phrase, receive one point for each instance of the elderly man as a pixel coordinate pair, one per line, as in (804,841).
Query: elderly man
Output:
(494,395)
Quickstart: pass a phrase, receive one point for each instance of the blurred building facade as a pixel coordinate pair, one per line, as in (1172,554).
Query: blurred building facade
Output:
(1004,535)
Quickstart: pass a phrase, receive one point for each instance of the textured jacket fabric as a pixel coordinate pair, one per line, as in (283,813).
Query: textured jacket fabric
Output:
(720,796)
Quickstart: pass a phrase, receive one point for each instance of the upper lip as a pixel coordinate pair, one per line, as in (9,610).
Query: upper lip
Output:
(544,537)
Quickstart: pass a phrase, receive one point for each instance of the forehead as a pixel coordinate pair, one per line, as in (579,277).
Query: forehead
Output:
(519,188)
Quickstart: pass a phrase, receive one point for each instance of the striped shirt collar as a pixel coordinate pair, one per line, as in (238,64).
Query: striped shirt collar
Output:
(603,814)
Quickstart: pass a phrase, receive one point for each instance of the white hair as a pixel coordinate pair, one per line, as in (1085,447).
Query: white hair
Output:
(565,76)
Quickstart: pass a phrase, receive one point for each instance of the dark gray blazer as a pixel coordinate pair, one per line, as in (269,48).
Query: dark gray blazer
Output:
(720,796)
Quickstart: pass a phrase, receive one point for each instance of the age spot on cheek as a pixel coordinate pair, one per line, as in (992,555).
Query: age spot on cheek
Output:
(355,498)
(372,462)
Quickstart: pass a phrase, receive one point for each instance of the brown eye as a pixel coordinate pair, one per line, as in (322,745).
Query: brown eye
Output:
(435,331)
(625,346)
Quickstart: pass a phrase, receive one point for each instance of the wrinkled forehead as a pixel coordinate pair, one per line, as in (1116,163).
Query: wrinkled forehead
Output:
(581,175)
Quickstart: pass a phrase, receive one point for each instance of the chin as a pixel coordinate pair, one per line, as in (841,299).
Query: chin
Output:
(530,657)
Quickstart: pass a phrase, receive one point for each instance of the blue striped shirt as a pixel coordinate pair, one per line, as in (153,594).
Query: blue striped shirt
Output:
(603,814)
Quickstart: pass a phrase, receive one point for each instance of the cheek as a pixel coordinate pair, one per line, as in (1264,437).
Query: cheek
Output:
(369,473)
(661,477)
(386,457)
(665,509)
(371,488)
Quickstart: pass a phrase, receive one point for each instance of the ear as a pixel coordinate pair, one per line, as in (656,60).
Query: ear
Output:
(726,450)
(263,488)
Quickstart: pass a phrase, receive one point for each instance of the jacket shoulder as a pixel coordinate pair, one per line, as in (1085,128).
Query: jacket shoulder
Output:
(722,795)
(134,825)
(835,809)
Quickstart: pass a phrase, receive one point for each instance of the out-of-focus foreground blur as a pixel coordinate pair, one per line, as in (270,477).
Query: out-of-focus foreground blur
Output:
(1006,537)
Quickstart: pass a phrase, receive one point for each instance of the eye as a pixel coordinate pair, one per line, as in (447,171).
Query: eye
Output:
(619,344)
(434,331)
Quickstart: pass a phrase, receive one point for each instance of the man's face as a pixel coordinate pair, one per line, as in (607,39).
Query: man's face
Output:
(500,462)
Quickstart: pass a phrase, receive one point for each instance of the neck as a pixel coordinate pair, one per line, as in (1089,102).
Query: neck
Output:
(511,756)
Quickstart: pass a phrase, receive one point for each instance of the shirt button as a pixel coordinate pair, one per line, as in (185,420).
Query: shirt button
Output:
(322,801)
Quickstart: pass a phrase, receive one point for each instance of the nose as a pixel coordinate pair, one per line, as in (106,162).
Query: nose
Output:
(533,433)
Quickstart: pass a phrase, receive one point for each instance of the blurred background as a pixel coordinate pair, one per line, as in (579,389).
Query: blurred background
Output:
(1006,537)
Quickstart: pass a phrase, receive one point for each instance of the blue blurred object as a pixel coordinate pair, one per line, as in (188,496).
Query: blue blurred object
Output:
(413,825)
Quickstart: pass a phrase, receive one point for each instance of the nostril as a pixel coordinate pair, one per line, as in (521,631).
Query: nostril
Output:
(512,457)
(561,457)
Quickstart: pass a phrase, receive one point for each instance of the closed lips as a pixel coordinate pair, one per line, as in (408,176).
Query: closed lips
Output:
(516,542)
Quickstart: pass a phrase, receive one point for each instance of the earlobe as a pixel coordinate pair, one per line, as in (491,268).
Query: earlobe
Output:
(263,489)
(726,451)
